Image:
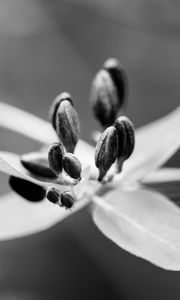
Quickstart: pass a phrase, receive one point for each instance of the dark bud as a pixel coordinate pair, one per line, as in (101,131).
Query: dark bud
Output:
(108,91)
(67,125)
(26,189)
(55,157)
(55,105)
(37,163)
(53,194)
(67,199)
(106,151)
(126,139)
(72,165)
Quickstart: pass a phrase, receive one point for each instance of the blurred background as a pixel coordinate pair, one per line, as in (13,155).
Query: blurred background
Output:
(47,47)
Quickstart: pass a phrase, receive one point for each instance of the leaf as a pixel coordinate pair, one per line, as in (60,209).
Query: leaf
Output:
(142,222)
(155,144)
(19,217)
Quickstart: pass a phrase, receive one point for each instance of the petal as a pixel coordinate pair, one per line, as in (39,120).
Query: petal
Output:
(19,217)
(142,222)
(163,175)
(39,130)
(155,144)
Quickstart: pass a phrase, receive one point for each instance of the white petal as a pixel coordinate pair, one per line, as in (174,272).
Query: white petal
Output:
(19,217)
(163,175)
(155,144)
(142,222)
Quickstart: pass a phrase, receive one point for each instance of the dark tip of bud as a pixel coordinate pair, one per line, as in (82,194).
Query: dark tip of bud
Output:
(55,105)
(26,189)
(67,199)
(37,163)
(53,194)
(126,138)
(67,125)
(55,157)
(108,92)
(106,151)
(72,165)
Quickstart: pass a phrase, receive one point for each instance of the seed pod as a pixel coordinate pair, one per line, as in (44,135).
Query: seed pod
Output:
(37,163)
(53,194)
(26,189)
(72,165)
(55,105)
(67,199)
(67,125)
(106,151)
(55,157)
(126,139)
(108,92)
(119,77)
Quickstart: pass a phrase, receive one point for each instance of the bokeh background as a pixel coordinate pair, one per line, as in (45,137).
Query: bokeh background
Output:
(47,47)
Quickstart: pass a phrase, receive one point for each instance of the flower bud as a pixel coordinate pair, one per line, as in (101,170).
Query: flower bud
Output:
(126,139)
(26,189)
(106,151)
(53,194)
(37,163)
(67,125)
(72,165)
(55,157)
(55,105)
(108,91)
(67,199)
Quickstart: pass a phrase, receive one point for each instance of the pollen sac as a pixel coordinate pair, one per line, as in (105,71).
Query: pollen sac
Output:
(37,163)
(55,157)
(108,92)
(72,165)
(26,189)
(106,151)
(126,138)
(53,194)
(119,77)
(67,199)
(67,125)
(55,105)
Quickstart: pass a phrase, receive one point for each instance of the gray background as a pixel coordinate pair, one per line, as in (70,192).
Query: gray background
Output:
(47,47)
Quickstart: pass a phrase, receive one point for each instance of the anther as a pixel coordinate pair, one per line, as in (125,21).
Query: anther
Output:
(26,189)
(67,199)
(126,139)
(67,125)
(55,105)
(37,163)
(72,165)
(108,92)
(53,194)
(106,151)
(55,157)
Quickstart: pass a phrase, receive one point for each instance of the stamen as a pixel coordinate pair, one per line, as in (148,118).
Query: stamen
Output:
(106,151)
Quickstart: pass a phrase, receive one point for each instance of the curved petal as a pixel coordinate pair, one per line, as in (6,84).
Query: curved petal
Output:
(142,222)
(19,217)
(155,144)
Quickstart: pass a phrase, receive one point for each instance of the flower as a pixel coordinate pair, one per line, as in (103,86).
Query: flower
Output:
(132,209)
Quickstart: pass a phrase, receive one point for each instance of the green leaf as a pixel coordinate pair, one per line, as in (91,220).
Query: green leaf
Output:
(19,217)
(155,144)
(142,222)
